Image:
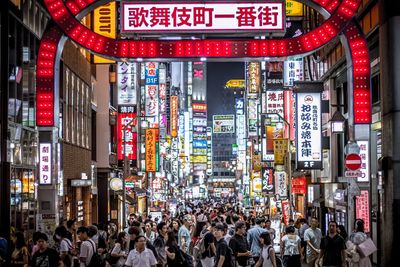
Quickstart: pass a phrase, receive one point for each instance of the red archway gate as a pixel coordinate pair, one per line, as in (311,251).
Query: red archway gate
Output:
(339,20)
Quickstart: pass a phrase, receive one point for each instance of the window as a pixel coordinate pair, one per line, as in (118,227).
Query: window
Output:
(375,88)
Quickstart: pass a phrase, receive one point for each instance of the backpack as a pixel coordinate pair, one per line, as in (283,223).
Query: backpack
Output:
(95,261)
(198,249)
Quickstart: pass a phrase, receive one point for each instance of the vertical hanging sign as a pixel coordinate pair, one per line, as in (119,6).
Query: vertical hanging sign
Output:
(281,184)
(364,154)
(104,23)
(268,183)
(45,164)
(253,78)
(308,122)
(151,81)
(292,71)
(151,150)
(174,115)
(126,83)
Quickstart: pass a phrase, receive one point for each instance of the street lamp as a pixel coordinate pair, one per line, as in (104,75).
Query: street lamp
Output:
(337,122)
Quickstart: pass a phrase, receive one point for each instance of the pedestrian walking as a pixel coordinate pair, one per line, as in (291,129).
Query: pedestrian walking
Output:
(333,248)
(159,243)
(223,257)
(356,238)
(118,253)
(312,237)
(239,245)
(267,257)
(20,255)
(253,238)
(141,255)
(291,247)
(45,256)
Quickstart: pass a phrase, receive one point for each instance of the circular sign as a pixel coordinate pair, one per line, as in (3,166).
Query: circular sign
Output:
(116,184)
(353,162)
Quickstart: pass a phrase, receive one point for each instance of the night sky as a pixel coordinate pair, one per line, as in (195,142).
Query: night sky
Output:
(219,100)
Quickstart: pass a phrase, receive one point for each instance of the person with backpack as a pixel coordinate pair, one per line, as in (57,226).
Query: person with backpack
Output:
(67,251)
(291,247)
(88,256)
(204,250)
(223,257)
(267,257)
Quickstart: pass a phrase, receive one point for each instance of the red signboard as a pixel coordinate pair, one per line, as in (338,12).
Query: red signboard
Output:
(130,134)
(353,162)
(299,185)
(286,211)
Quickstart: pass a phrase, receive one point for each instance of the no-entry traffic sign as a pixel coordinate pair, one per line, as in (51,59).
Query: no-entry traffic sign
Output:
(353,162)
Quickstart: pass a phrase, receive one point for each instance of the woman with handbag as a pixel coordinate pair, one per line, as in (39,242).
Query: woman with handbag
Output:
(117,256)
(357,238)
(175,256)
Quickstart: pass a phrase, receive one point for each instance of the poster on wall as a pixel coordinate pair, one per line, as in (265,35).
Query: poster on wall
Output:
(308,132)
(363,210)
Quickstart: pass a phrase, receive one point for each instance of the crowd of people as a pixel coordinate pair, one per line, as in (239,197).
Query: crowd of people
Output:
(202,236)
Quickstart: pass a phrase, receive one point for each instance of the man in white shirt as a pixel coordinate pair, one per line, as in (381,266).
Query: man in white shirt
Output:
(313,237)
(88,247)
(141,256)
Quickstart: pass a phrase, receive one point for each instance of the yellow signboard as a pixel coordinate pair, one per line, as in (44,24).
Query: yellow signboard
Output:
(281,146)
(235,84)
(151,149)
(294,9)
(104,23)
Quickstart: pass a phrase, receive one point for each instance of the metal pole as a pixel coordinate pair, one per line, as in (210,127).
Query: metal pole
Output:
(123,182)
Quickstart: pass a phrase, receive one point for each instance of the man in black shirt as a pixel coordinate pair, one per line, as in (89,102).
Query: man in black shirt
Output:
(45,256)
(223,257)
(239,244)
(333,248)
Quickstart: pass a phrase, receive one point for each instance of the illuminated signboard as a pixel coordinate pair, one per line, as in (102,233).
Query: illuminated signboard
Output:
(275,102)
(174,115)
(268,181)
(223,124)
(309,143)
(299,185)
(294,9)
(292,71)
(364,154)
(151,150)
(126,116)
(362,209)
(235,84)
(252,117)
(151,81)
(45,163)
(253,78)
(202,17)
(199,107)
(272,129)
(126,83)
(281,146)
(104,23)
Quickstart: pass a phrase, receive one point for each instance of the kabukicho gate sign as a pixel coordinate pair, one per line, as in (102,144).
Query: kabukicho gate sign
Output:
(67,14)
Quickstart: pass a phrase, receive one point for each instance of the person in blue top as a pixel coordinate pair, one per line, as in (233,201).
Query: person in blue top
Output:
(253,238)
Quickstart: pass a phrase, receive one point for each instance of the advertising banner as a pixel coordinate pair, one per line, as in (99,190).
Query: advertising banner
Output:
(362,209)
(126,116)
(281,184)
(309,143)
(104,23)
(268,181)
(151,150)
(203,16)
(253,78)
(292,71)
(273,128)
(223,124)
(45,164)
(174,115)
(127,83)
(299,185)
(281,146)
(151,89)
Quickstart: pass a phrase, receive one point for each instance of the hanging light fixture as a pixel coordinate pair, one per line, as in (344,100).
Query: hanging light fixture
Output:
(337,122)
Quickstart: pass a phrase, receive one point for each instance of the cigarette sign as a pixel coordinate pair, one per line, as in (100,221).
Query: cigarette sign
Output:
(203,17)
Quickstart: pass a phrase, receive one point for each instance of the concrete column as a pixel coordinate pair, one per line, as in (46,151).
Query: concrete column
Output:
(389,38)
